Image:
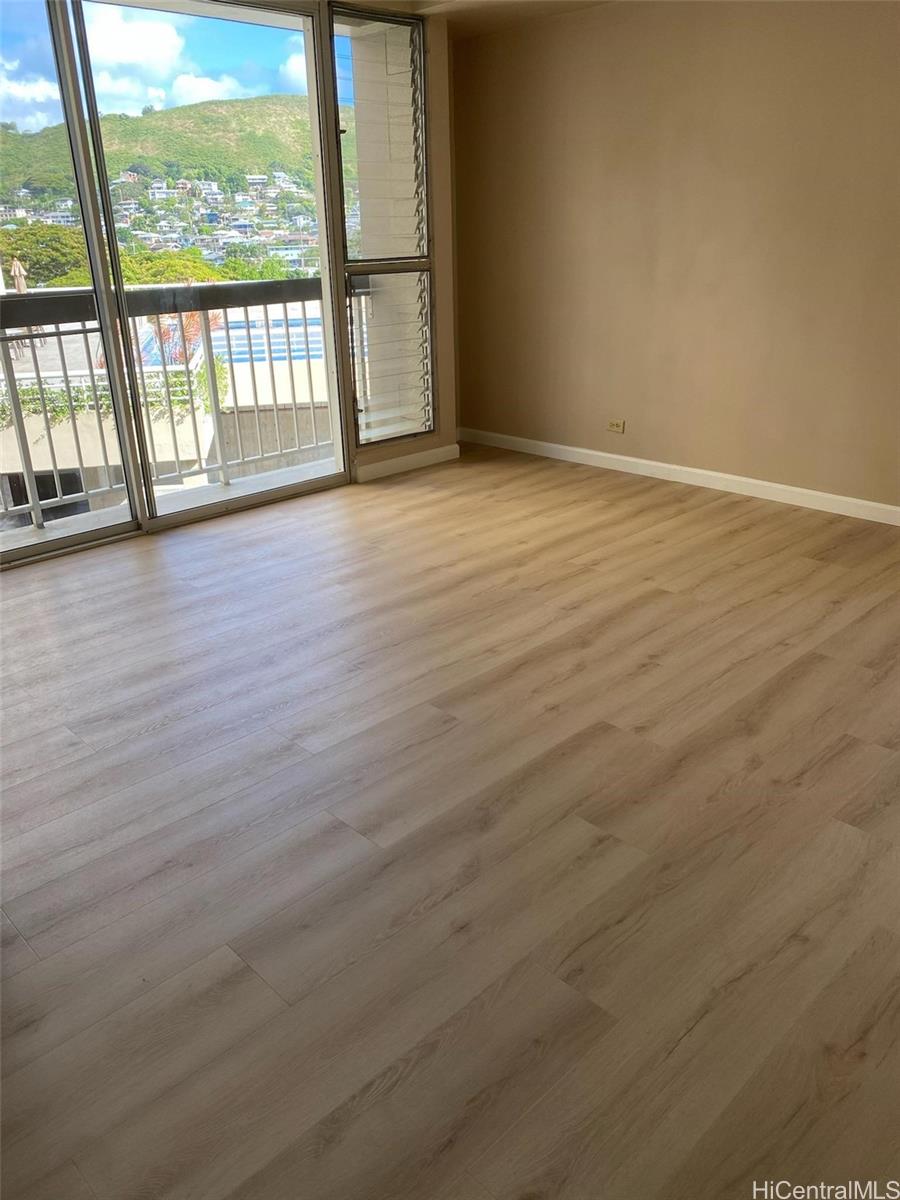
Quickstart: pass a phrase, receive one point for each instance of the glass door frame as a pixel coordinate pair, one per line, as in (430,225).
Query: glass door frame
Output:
(66,62)
(293,15)
(82,121)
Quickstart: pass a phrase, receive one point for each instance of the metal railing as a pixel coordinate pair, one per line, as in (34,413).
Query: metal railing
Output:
(232,380)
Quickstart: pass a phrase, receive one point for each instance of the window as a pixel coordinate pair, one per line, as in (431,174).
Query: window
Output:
(381,109)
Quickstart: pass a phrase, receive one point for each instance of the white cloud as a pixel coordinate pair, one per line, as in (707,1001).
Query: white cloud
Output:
(9,64)
(117,85)
(126,93)
(150,46)
(293,72)
(36,120)
(32,91)
(191,89)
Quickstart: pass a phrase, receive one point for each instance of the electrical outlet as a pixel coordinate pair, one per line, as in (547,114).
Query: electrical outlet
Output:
(615,426)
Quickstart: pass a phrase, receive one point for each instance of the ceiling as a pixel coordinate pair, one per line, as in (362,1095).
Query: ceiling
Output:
(469,18)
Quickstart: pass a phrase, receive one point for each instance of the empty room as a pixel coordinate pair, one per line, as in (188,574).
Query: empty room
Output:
(450,606)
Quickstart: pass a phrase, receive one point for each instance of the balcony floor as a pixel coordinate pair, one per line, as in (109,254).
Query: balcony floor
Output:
(508,828)
(169,500)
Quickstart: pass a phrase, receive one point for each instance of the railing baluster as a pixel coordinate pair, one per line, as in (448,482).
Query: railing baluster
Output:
(309,374)
(237,415)
(190,391)
(31,488)
(212,384)
(289,351)
(72,415)
(165,374)
(145,399)
(101,432)
(57,483)
(259,438)
(275,414)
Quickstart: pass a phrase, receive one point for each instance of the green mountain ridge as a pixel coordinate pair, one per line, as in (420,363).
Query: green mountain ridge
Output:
(215,139)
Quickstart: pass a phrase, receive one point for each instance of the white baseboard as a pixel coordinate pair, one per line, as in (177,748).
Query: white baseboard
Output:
(848,506)
(406,462)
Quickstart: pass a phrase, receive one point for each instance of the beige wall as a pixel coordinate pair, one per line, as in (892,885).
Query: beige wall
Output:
(687,215)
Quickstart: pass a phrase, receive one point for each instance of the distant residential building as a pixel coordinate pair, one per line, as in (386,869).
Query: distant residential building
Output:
(256,181)
(160,191)
(208,188)
(295,256)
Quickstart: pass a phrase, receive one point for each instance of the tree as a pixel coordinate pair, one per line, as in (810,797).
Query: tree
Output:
(240,267)
(45,251)
(152,266)
(147,110)
(168,266)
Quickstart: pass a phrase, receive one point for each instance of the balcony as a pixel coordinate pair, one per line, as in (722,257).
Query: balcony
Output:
(232,381)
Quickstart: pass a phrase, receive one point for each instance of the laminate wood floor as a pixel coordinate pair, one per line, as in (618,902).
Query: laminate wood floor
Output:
(506,830)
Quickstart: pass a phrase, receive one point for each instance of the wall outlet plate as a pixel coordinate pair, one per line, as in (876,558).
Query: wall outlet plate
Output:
(615,426)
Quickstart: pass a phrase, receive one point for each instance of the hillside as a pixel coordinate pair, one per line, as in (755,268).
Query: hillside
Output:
(214,140)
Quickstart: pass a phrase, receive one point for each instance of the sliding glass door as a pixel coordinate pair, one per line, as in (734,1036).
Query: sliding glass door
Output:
(62,426)
(169,339)
(214,240)
(210,151)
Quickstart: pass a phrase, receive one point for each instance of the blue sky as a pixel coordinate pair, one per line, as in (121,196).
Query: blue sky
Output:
(143,57)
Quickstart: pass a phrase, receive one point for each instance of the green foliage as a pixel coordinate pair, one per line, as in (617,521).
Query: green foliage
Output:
(151,266)
(201,384)
(245,262)
(168,266)
(55,401)
(217,139)
(45,251)
(80,400)
(183,266)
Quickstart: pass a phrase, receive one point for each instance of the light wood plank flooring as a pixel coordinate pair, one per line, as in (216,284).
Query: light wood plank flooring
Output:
(506,830)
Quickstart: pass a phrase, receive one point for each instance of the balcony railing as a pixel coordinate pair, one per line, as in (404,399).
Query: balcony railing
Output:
(232,382)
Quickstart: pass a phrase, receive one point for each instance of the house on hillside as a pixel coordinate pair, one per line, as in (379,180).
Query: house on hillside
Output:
(159,190)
